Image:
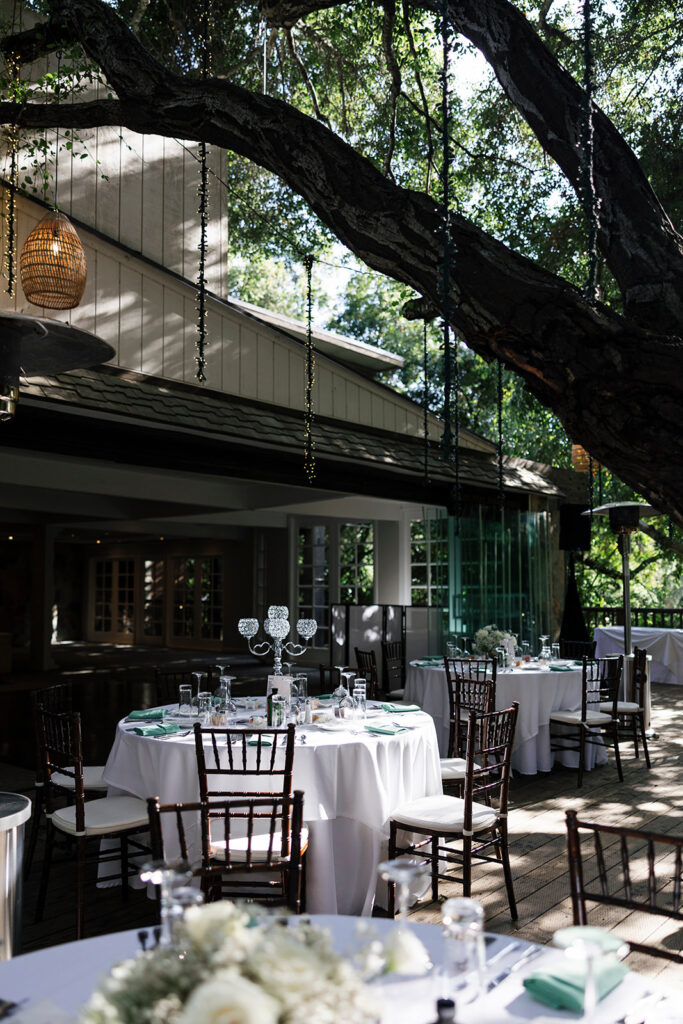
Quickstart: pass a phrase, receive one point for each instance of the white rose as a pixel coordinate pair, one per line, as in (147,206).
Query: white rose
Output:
(229,999)
(287,967)
(221,928)
(405,954)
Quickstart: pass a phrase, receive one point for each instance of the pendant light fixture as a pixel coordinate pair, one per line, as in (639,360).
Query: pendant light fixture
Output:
(52,264)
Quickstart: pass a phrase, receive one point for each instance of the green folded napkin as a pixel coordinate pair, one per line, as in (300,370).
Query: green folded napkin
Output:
(562,988)
(397,708)
(150,715)
(157,730)
(265,742)
(386,730)
(578,661)
(562,668)
(326,696)
(430,664)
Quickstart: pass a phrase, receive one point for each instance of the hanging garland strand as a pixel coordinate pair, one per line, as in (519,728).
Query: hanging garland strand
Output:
(13,146)
(447,437)
(425,402)
(590,201)
(203,196)
(309,443)
(499,395)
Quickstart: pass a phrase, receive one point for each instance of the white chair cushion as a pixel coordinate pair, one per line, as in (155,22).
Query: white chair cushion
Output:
(444,814)
(259,846)
(574,717)
(453,768)
(623,707)
(92,778)
(112,814)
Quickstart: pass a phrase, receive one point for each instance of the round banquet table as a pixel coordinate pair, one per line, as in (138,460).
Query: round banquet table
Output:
(664,646)
(60,979)
(352,782)
(539,692)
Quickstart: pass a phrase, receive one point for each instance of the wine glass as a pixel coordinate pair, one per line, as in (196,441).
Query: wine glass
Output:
(544,654)
(411,877)
(465,953)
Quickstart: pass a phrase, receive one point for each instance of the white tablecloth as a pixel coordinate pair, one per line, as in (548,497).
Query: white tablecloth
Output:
(351,785)
(539,692)
(66,975)
(665,646)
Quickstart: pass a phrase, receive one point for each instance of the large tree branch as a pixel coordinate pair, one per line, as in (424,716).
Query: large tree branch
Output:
(639,242)
(584,362)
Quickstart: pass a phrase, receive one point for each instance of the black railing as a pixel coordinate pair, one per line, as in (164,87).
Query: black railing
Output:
(662,618)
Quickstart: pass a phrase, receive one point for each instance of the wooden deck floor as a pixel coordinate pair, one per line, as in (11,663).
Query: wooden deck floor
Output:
(652,800)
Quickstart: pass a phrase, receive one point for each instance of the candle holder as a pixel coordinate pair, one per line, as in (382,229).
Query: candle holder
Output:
(277,626)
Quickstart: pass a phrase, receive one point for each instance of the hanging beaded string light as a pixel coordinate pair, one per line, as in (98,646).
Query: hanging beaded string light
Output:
(52,263)
(450,440)
(581,459)
(203,209)
(425,401)
(309,442)
(10,260)
(499,403)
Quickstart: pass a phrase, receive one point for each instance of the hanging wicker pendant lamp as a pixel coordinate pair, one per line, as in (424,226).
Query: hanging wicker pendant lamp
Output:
(52,264)
(580,458)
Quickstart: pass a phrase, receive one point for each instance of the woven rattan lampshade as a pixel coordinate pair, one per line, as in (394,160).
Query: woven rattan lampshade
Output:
(52,264)
(580,458)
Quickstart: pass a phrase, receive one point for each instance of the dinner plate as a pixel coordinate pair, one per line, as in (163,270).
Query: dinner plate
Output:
(336,725)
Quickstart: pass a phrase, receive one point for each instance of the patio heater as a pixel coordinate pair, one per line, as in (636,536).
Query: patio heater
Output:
(624,517)
(36,346)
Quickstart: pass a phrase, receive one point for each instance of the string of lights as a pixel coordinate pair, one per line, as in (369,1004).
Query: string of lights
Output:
(309,441)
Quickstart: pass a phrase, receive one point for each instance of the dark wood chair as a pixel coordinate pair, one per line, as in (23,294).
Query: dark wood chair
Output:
(471,687)
(631,713)
(167,681)
(477,821)
(251,847)
(629,868)
(577,649)
(119,817)
(57,699)
(366,664)
(596,722)
(393,657)
(227,761)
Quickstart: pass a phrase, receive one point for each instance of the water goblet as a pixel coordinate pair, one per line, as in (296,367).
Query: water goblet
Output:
(168,876)
(464,954)
(411,877)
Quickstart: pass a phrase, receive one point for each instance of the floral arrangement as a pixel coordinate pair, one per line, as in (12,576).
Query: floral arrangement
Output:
(235,964)
(487,639)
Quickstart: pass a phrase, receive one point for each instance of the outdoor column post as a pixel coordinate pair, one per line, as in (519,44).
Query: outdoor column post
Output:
(624,545)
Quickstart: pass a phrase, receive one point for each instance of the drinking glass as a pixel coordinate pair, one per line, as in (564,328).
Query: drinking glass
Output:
(300,687)
(185,699)
(526,652)
(204,706)
(464,953)
(555,652)
(588,946)
(501,658)
(360,694)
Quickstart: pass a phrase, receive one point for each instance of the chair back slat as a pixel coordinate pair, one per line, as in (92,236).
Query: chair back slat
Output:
(233,755)
(393,656)
(601,681)
(638,879)
(367,667)
(490,737)
(577,649)
(471,687)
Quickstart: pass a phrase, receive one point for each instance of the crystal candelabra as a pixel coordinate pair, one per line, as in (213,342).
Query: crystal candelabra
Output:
(276,625)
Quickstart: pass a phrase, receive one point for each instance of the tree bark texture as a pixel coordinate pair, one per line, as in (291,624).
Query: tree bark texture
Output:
(616,386)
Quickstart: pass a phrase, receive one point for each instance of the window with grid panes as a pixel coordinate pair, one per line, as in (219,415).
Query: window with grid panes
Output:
(104,595)
(429,562)
(313,579)
(356,563)
(183,596)
(211,606)
(198,598)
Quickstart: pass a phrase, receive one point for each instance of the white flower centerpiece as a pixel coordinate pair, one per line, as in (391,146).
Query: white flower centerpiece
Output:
(487,639)
(235,964)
